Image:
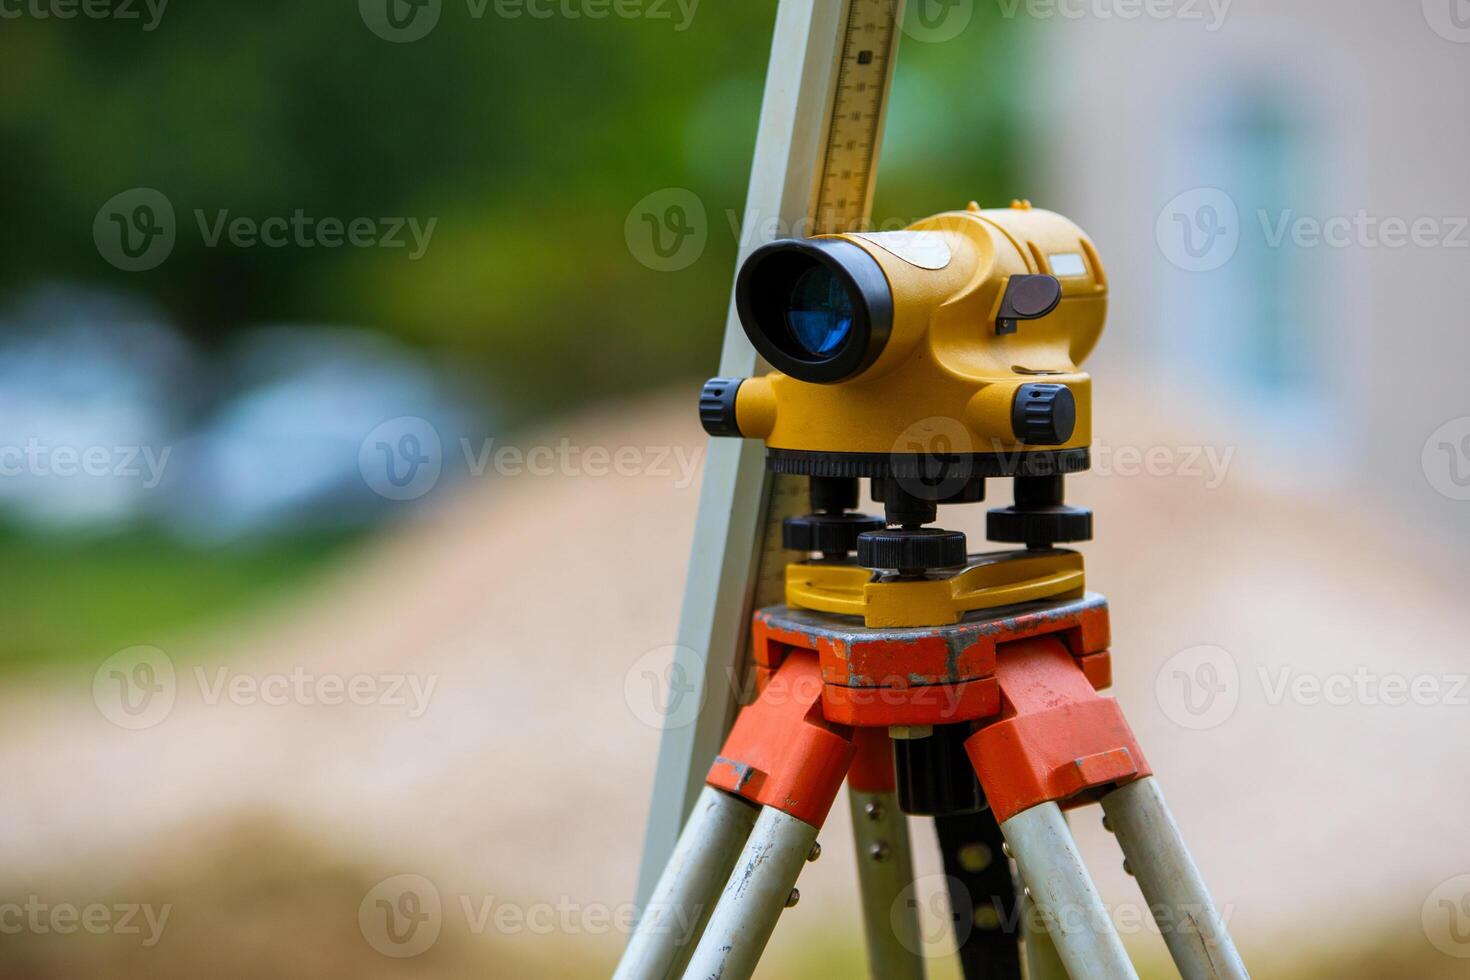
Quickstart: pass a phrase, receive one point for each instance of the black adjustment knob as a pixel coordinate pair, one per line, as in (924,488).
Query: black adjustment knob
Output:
(1044,415)
(1027,298)
(717,407)
(1039,528)
(832,535)
(912,550)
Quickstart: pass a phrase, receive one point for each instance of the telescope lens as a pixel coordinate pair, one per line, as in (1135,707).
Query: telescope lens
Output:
(820,316)
(818,310)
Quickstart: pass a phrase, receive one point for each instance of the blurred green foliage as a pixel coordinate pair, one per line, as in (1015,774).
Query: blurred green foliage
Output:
(82,598)
(529,139)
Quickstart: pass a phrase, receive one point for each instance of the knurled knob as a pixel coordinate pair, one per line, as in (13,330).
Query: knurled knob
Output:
(829,534)
(1044,415)
(916,550)
(717,407)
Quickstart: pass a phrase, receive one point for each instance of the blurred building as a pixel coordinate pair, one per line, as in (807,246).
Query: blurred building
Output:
(1279,191)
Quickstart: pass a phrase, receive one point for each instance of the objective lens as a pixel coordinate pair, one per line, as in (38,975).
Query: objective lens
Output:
(820,315)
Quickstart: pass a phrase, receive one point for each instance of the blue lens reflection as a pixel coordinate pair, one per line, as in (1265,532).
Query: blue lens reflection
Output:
(820,316)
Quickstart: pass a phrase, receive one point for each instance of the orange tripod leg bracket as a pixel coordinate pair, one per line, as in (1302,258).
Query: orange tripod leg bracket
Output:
(782,753)
(1056,740)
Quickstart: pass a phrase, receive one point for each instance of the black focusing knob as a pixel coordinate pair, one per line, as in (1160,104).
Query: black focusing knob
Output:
(832,535)
(912,550)
(1044,415)
(717,407)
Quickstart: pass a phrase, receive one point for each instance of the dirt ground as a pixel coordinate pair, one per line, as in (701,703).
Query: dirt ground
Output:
(527,601)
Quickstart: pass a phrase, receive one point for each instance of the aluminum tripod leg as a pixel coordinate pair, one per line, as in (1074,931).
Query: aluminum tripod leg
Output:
(1197,937)
(885,865)
(685,896)
(1064,894)
(753,899)
(1042,959)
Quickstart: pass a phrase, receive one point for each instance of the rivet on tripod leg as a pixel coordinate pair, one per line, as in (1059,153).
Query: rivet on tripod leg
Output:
(879,851)
(1106,826)
(816,852)
(1127,868)
(793,898)
(1006,850)
(874,811)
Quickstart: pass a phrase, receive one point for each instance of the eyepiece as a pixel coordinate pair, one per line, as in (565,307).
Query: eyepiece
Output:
(818,310)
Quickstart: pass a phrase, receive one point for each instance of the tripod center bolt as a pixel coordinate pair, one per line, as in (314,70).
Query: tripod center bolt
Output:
(1044,415)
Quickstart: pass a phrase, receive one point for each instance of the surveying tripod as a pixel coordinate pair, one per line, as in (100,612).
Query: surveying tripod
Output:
(928,363)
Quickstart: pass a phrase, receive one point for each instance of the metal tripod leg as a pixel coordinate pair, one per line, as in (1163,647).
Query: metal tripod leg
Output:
(1064,894)
(1197,937)
(885,865)
(1042,960)
(761,886)
(684,898)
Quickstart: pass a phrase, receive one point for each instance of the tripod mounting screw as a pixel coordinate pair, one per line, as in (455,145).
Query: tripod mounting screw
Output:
(912,550)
